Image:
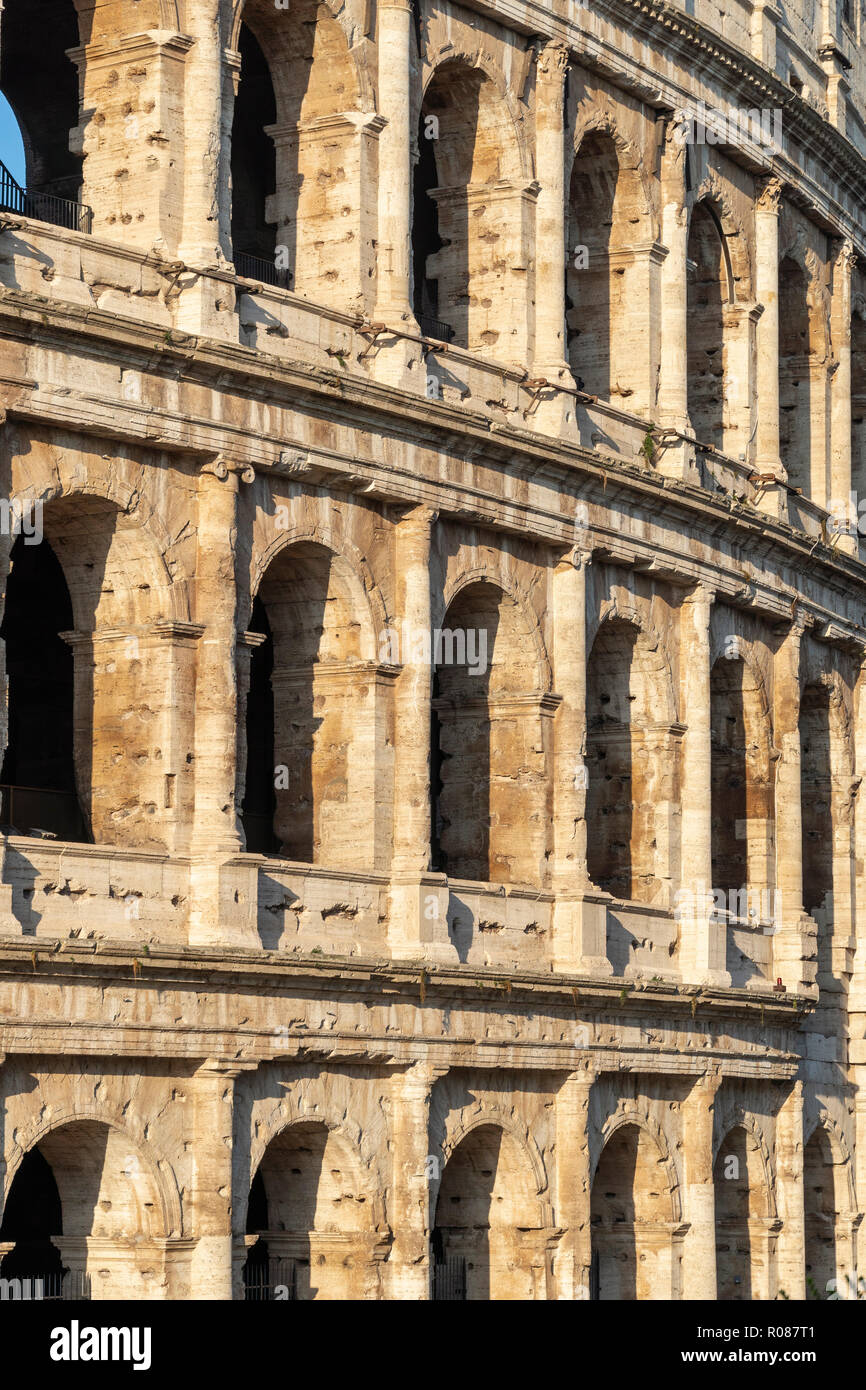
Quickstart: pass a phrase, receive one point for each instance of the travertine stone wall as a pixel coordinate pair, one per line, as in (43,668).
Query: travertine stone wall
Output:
(466,737)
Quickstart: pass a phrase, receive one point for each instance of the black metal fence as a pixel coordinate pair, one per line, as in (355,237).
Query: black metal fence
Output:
(270,1281)
(43,207)
(72,1286)
(250,267)
(436,328)
(449,1280)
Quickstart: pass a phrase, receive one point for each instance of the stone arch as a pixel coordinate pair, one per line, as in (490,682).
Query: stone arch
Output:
(118,1202)
(311,1204)
(618,610)
(519,594)
(40,82)
(633,1216)
(314,697)
(823,1120)
(804,344)
(595,119)
(713,191)
(483,61)
(459,1123)
(631,1114)
(490,1188)
(354,569)
(745,1209)
(100,591)
(858,405)
(127,1123)
(608,267)
(737,1117)
(491,742)
(469,223)
(632,756)
(341,14)
(301,149)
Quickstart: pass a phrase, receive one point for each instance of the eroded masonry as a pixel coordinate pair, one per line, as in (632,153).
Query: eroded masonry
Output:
(434,622)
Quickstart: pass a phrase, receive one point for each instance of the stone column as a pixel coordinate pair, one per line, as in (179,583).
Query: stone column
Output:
(793,951)
(212,1177)
(394,43)
(703,945)
(418,921)
(791,1243)
(216,839)
(205,305)
(550,220)
(673,412)
(767,455)
(203,116)
(573,1186)
(580,910)
(699,1196)
(839,506)
(410,1215)
(740,323)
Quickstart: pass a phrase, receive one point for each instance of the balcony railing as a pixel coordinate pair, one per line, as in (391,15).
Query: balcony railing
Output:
(250,267)
(43,207)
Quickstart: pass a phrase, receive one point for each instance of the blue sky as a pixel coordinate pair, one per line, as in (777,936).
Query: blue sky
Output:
(11,144)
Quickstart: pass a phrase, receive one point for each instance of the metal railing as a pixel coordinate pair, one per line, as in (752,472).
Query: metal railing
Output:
(449,1280)
(249,267)
(269,1281)
(72,1286)
(43,207)
(435,328)
(41,812)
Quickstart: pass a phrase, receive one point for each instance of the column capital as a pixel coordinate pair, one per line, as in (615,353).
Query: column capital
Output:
(552,59)
(223,468)
(769,194)
(574,557)
(227,1068)
(419,516)
(700,594)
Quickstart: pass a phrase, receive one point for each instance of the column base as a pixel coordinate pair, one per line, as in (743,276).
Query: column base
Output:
(418,919)
(223,896)
(580,934)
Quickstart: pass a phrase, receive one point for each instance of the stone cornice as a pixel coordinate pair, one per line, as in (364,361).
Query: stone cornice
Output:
(411,419)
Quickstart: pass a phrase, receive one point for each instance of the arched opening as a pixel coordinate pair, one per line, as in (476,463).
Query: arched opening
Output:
(311,1216)
(632,762)
(41,85)
(606,213)
(253,164)
(85,1201)
(741,1206)
(816,792)
(823,1192)
(31,1217)
(742,809)
(260,803)
(301,171)
(99,579)
(795,382)
(858,420)
(491,741)
(326,762)
(469,168)
(631,1219)
(426,241)
(38,775)
(486,1210)
(709,291)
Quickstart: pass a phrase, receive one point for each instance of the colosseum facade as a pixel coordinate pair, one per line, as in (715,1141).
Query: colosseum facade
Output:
(434,618)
